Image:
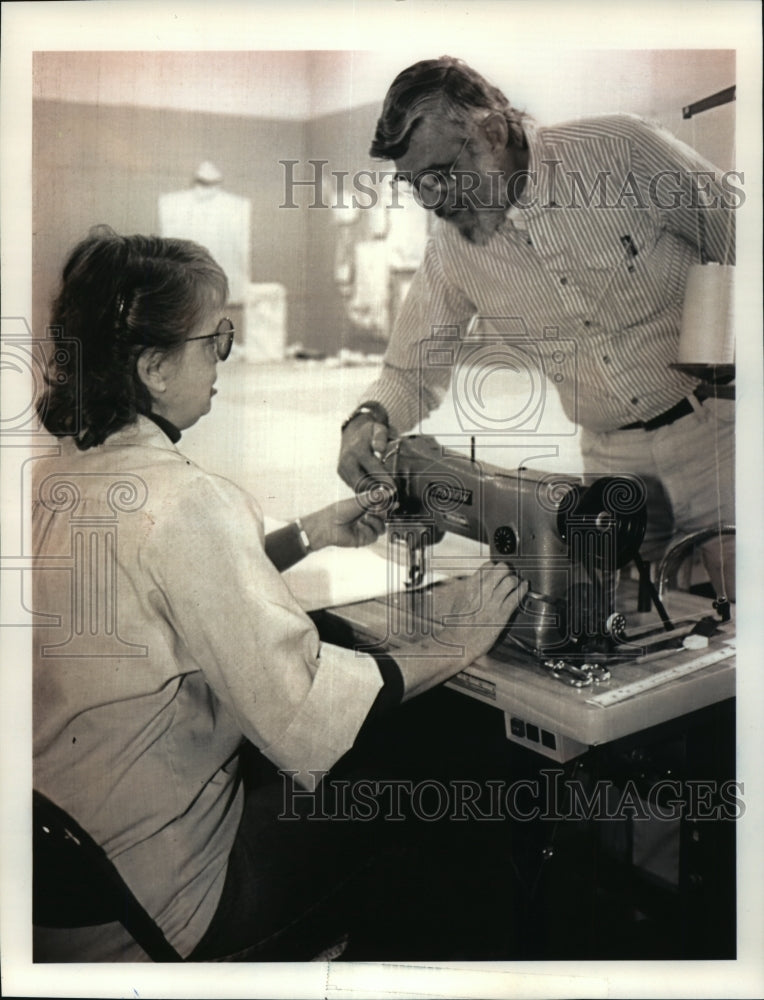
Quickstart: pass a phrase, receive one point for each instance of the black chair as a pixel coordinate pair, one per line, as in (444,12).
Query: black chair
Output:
(75,885)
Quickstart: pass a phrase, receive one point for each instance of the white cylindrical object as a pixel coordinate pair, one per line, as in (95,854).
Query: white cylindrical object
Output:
(695,641)
(707,335)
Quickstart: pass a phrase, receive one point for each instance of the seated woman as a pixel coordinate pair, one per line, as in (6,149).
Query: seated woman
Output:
(174,641)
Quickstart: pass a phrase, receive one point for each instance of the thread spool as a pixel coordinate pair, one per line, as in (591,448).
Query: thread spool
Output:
(707,333)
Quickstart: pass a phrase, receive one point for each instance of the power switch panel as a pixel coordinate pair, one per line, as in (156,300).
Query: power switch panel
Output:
(555,746)
(517,727)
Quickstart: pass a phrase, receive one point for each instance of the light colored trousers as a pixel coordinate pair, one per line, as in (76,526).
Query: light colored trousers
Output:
(688,471)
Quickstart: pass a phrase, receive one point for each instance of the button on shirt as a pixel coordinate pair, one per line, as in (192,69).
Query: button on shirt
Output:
(590,267)
(165,637)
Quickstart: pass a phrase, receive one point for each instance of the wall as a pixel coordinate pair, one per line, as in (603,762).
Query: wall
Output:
(656,84)
(108,164)
(552,84)
(249,84)
(96,160)
(678,78)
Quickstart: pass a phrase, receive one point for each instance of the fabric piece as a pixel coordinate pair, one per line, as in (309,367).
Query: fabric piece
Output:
(217,220)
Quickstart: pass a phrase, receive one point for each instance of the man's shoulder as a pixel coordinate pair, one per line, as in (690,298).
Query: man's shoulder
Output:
(613,126)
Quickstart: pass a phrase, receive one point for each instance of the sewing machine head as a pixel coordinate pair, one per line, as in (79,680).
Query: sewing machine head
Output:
(566,535)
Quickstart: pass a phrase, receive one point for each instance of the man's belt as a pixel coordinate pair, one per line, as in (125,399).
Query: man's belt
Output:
(680,409)
(719,388)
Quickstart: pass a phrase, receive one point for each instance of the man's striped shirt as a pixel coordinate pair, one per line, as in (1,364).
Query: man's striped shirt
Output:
(587,275)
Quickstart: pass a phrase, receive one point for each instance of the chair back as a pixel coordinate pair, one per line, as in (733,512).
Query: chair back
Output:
(76,885)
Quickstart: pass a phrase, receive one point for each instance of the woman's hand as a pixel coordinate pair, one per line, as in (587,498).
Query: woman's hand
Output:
(467,617)
(349,523)
(470,613)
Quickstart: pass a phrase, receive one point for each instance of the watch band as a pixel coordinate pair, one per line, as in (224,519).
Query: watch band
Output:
(372,409)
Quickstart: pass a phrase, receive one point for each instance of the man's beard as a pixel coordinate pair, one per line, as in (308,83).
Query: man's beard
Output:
(476,219)
(475,225)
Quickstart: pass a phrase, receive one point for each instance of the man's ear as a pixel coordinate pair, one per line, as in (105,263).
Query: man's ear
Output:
(496,130)
(152,370)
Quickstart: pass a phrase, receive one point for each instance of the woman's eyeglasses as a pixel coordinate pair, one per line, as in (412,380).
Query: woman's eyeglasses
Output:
(223,337)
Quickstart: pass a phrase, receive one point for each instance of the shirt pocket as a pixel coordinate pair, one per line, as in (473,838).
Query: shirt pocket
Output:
(625,277)
(618,252)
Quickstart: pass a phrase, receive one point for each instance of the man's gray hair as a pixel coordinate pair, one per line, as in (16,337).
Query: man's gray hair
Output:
(448,86)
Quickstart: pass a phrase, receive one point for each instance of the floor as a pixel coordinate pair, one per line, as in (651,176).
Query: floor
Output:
(274,429)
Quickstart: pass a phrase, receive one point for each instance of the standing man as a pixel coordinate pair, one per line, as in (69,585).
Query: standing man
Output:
(588,227)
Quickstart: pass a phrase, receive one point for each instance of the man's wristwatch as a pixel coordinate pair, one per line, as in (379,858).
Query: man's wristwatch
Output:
(374,410)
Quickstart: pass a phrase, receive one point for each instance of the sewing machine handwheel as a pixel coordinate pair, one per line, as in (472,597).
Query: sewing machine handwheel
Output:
(610,502)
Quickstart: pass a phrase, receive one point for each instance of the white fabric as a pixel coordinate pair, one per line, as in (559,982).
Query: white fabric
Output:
(371,292)
(217,220)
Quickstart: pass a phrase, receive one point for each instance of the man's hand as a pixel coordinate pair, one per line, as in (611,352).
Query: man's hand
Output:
(364,441)
(349,523)
(468,617)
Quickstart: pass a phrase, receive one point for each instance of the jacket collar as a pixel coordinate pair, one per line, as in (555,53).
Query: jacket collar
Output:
(170,429)
(144,432)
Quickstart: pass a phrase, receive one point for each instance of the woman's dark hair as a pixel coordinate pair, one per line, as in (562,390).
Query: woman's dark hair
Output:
(120,295)
(448,85)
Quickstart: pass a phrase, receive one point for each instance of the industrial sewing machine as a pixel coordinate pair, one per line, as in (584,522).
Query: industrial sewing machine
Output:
(566,535)
(620,665)
(582,675)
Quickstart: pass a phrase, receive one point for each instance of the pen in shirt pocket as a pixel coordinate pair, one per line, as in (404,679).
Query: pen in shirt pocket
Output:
(630,248)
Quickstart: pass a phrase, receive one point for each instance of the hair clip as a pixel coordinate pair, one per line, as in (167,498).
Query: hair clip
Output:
(120,307)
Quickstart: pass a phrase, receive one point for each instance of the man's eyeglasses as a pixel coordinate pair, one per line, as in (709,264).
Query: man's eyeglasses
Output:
(432,179)
(223,337)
